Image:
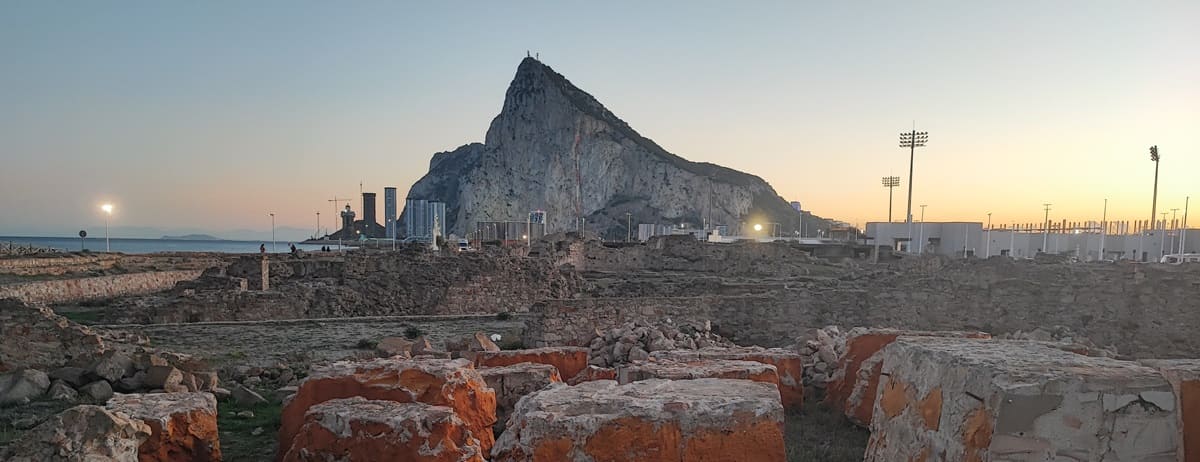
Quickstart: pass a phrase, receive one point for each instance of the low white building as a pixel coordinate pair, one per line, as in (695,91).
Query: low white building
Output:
(940,238)
(955,238)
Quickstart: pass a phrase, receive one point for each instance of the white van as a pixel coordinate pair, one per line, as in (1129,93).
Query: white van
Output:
(1180,258)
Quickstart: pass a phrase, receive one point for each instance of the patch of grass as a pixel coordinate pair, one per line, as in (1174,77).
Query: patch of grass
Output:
(83,317)
(237,439)
(817,433)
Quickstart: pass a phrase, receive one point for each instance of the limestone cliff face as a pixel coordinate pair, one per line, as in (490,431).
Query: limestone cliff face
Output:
(555,148)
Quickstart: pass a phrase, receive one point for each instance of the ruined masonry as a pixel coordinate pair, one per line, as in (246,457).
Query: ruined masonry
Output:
(962,400)
(183,426)
(699,420)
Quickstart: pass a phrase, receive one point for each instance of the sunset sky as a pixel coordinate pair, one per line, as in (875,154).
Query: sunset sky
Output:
(209,115)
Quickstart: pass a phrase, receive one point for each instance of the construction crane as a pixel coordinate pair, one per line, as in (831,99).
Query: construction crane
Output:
(335,201)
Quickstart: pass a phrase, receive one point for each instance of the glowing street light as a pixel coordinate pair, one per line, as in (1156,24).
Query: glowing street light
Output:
(107,208)
(757,227)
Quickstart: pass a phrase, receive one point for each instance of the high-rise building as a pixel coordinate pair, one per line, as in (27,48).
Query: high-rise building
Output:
(419,216)
(389,212)
(369,208)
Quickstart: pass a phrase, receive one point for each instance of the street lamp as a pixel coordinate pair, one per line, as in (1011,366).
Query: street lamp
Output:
(890,182)
(1162,246)
(757,227)
(1154,202)
(272,214)
(107,208)
(912,140)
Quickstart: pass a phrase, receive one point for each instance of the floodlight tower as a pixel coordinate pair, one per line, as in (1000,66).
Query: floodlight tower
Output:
(890,182)
(1154,202)
(911,140)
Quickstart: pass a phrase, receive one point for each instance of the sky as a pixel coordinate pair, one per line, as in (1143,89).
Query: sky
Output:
(207,116)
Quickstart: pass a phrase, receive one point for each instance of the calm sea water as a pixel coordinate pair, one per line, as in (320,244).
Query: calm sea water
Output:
(149,245)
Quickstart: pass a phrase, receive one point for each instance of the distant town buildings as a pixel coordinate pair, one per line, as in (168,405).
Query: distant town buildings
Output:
(419,217)
(389,212)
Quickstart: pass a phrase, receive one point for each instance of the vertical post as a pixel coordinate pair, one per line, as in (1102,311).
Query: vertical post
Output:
(921,238)
(1103,228)
(988,252)
(106,248)
(1162,246)
(266,273)
(912,154)
(1046,235)
(1183,239)
(966,239)
(1154,202)
(1012,242)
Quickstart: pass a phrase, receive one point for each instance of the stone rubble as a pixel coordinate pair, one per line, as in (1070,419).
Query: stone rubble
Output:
(82,433)
(963,400)
(568,360)
(183,426)
(699,369)
(660,420)
(22,386)
(358,429)
(634,341)
(788,365)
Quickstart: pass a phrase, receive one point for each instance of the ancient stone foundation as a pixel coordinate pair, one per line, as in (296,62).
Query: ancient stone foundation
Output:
(451,383)
(358,429)
(511,383)
(568,360)
(660,420)
(183,426)
(702,369)
(788,364)
(853,386)
(963,400)
(82,433)
(1184,375)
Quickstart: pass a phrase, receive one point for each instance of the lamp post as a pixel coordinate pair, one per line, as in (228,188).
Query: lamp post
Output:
(318,234)
(1046,235)
(988,247)
(921,238)
(1183,238)
(272,214)
(912,140)
(890,182)
(1162,246)
(107,208)
(1154,202)
(1103,228)
(1174,226)
(628,226)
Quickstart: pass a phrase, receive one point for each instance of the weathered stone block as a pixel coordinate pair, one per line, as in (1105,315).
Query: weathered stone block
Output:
(162,376)
(702,369)
(660,420)
(452,383)
(593,373)
(513,382)
(992,400)
(183,426)
(1184,376)
(22,385)
(568,360)
(393,346)
(788,364)
(853,385)
(81,433)
(357,429)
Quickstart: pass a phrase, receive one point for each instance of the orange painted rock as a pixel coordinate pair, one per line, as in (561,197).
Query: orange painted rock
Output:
(788,364)
(593,373)
(183,426)
(855,381)
(651,420)
(358,429)
(568,360)
(963,400)
(702,369)
(440,382)
(513,382)
(1184,376)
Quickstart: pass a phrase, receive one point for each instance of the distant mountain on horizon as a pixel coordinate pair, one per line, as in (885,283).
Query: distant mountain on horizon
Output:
(282,234)
(194,237)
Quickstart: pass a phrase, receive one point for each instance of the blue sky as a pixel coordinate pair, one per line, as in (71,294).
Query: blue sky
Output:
(209,115)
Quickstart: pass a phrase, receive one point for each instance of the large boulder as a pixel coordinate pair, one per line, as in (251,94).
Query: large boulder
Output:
(788,364)
(358,429)
(393,346)
(974,400)
(1184,376)
(513,382)
(35,337)
(183,426)
(112,365)
(568,360)
(451,383)
(702,369)
(659,420)
(82,433)
(22,385)
(855,380)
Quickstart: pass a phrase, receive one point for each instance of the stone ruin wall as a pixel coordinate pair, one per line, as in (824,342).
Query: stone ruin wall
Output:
(1143,311)
(95,288)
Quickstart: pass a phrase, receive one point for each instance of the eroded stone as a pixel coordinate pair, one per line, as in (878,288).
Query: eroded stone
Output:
(569,360)
(789,365)
(515,381)
(183,426)
(355,429)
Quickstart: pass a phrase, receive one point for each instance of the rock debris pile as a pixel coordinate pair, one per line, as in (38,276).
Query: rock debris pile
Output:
(634,341)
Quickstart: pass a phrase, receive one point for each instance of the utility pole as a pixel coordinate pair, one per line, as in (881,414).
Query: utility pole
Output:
(890,182)
(1154,202)
(1103,228)
(1162,246)
(912,140)
(921,239)
(318,234)
(272,231)
(1183,239)
(628,226)
(1046,236)
(1012,242)
(1174,226)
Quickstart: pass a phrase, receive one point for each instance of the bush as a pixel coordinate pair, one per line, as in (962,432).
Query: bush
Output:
(503,316)
(413,332)
(366,344)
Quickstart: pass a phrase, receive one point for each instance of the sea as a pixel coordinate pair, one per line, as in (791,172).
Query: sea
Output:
(126,245)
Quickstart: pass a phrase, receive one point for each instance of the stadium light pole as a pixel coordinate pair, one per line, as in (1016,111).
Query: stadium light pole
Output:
(912,140)
(1046,234)
(1154,202)
(890,182)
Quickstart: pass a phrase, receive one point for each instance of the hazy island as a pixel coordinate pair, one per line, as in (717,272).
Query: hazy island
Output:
(193,237)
